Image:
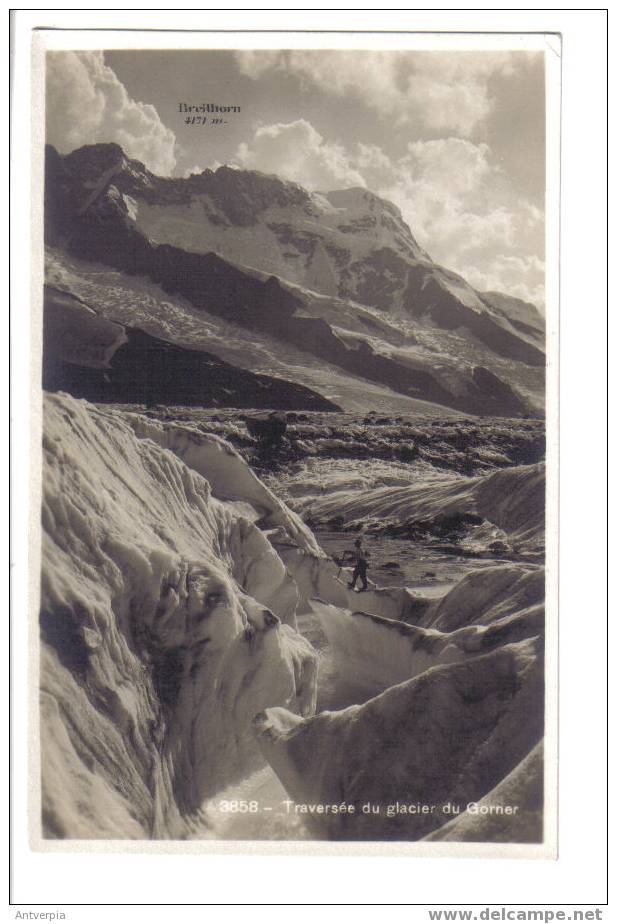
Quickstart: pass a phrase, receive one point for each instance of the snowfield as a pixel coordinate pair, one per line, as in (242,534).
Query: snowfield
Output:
(134,300)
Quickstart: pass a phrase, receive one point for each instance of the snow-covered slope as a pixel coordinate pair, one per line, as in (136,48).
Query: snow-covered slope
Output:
(489,597)
(101,360)
(135,301)
(166,623)
(251,218)
(337,276)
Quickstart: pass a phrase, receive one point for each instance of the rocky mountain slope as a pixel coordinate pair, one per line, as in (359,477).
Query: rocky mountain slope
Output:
(103,361)
(326,283)
(519,315)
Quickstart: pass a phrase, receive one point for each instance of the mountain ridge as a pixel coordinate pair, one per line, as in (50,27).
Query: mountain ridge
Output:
(101,206)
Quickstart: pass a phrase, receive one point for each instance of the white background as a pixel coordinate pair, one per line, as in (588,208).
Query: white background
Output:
(579,875)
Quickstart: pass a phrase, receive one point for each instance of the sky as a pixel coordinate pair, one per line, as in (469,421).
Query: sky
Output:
(455,139)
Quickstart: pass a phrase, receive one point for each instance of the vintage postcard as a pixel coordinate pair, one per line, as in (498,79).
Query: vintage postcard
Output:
(298,494)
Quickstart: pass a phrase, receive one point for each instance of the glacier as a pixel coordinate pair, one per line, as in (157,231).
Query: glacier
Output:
(373,652)
(521,787)
(196,642)
(505,506)
(166,623)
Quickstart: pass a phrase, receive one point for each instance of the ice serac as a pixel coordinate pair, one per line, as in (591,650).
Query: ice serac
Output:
(229,476)
(372,652)
(75,335)
(488,597)
(316,579)
(520,315)
(505,506)
(448,736)
(166,622)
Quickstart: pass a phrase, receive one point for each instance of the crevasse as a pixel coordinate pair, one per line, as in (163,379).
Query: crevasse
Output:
(174,583)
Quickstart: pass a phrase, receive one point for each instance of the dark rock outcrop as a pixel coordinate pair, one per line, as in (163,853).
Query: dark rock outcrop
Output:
(269,430)
(93,358)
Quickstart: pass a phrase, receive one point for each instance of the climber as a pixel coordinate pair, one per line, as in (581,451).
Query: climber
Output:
(360,557)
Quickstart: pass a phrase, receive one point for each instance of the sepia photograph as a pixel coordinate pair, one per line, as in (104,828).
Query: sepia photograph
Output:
(294,335)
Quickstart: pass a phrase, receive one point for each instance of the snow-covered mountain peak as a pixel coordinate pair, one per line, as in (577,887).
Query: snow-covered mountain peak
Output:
(360,199)
(338,275)
(252,218)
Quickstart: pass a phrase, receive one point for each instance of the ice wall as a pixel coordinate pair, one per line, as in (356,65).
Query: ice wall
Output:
(446,737)
(372,653)
(229,476)
(318,577)
(524,788)
(166,624)
(512,500)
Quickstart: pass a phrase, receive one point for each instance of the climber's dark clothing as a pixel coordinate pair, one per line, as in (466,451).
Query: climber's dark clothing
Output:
(359,572)
(358,555)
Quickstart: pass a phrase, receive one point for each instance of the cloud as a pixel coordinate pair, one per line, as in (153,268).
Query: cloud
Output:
(462,208)
(520,276)
(298,152)
(457,201)
(450,91)
(196,169)
(86,104)
(453,195)
(463,166)
(441,91)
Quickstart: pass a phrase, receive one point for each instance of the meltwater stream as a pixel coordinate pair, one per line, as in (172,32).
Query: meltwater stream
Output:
(406,563)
